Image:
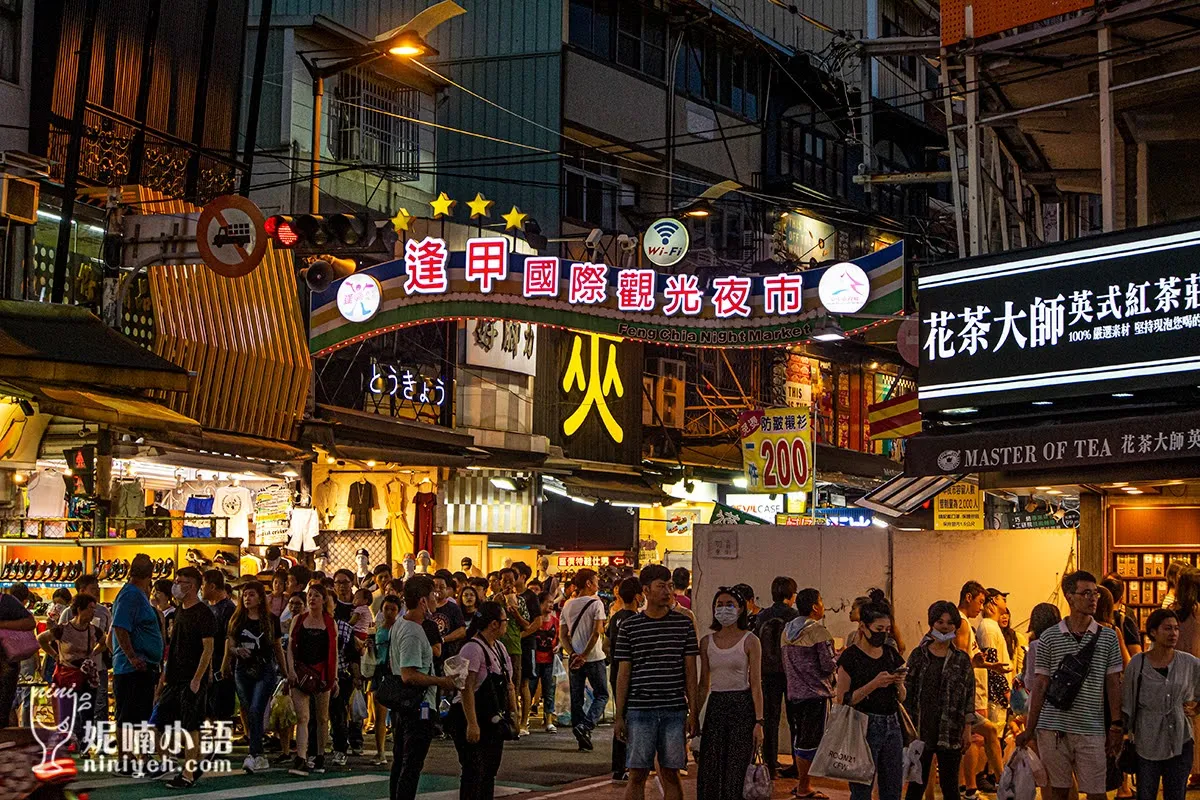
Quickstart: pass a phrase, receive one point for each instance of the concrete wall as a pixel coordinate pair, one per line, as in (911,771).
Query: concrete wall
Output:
(916,568)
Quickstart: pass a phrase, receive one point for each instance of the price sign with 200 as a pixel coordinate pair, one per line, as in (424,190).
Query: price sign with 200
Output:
(785,462)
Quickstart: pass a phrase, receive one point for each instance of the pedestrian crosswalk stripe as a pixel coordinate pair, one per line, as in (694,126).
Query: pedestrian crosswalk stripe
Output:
(286,788)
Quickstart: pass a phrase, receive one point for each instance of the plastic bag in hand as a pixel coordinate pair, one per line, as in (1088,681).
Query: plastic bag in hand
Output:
(456,667)
(283,712)
(912,762)
(1022,775)
(358,707)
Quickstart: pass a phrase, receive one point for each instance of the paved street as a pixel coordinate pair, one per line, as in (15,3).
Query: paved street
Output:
(539,766)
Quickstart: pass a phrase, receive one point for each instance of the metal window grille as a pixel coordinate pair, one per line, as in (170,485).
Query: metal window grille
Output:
(369,127)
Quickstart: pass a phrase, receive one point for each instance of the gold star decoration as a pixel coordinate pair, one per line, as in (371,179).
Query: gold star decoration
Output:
(480,206)
(401,221)
(514,219)
(442,206)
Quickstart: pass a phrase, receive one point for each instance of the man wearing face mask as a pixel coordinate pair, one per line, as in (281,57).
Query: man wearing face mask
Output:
(940,699)
(809,667)
(410,656)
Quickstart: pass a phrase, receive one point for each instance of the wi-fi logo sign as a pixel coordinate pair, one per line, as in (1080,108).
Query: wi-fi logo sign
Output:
(666,229)
(666,242)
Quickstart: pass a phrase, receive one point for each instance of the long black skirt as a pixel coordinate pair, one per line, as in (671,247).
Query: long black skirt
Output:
(726,745)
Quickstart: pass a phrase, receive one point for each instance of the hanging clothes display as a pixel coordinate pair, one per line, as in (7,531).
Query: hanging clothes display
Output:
(302,533)
(129,502)
(272,510)
(235,503)
(325,501)
(426,503)
(47,495)
(198,506)
(396,498)
(361,501)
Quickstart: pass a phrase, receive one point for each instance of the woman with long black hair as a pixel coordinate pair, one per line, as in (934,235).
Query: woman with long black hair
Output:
(482,711)
(870,678)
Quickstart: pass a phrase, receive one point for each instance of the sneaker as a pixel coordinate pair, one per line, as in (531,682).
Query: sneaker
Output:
(261,764)
(299,767)
(319,763)
(584,737)
(310,761)
(523,732)
(620,777)
(180,782)
(550,728)
(337,759)
(249,765)
(380,762)
(283,760)
(356,751)
(985,784)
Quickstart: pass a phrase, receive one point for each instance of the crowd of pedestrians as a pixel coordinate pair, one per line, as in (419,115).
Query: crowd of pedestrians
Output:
(303,660)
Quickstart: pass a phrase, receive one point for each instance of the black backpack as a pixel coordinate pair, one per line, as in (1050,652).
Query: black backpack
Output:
(770,633)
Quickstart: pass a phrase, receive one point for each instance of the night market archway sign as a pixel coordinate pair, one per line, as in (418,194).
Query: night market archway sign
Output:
(487,281)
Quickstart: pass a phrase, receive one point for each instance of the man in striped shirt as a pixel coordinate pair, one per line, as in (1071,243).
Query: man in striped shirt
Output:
(656,653)
(1073,741)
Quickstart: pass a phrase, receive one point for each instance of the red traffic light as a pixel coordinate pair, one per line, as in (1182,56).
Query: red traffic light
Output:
(282,230)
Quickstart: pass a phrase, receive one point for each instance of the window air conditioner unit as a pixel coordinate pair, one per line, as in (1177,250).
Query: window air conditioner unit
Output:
(19,199)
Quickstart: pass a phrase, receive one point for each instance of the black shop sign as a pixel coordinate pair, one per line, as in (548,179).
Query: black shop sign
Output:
(1085,444)
(1105,314)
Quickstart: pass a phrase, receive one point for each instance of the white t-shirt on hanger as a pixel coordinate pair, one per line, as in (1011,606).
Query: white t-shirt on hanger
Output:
(47,495)
(235,503)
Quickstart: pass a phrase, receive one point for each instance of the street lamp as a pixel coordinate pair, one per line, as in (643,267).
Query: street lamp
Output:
(406,41)
(702,205)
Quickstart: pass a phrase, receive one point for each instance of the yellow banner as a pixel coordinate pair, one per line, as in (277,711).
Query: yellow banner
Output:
(777,450)
(958,508)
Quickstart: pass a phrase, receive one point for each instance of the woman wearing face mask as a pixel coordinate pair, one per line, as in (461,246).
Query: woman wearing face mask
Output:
(939,697)
(475,718)
(870,678)
(1158,684)
(731,694)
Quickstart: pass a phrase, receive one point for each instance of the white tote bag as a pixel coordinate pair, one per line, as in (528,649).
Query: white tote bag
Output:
(843,753)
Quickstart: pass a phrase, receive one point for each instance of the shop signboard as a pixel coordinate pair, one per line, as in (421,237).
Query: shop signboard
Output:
(1074,445)
(777,450)
(1037,520)
(1097,316)
(682,521)
(490,282)
(958,507)
(502,344)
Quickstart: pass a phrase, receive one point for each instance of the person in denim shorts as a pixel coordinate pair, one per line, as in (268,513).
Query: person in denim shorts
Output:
(656,652)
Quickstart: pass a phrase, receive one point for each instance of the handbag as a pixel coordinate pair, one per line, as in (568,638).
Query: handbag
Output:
(1068,679)
(1127,760)
(843,753)
(18,645)
(757,783)
(907,727)
(394,694)
(308,680)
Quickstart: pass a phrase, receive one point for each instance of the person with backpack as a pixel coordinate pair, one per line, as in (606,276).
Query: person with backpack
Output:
(582,623)
(771,622)
(809,666)
(1078,668)
(481,718)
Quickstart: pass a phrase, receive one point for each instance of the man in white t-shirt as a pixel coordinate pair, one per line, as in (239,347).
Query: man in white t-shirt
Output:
(985,745)
(995,651)
(581,626)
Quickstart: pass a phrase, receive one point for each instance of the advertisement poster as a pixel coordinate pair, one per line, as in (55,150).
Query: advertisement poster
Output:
(958,508)
(777,450)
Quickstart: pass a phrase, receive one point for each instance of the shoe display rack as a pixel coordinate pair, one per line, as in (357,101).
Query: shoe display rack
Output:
(56,563)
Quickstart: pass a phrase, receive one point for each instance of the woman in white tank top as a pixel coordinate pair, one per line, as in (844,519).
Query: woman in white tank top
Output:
(731,694)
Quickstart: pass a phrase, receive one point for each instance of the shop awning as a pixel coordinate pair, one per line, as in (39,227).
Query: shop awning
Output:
(363,436)
(71,346)
(128,413)
(613,488)
(225,451)
(903,495)
(575,526)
